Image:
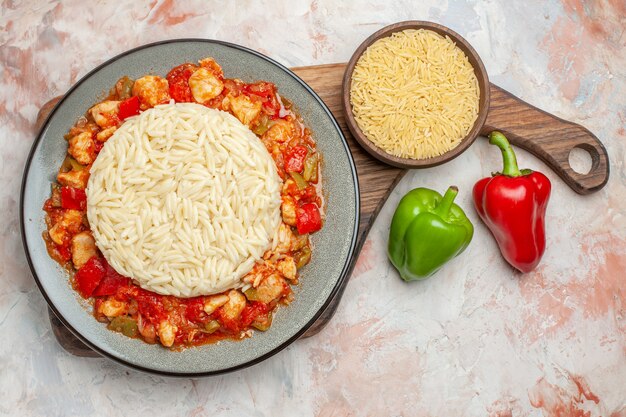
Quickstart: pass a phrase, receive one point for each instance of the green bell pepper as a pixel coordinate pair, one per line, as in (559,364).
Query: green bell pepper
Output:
(427,230)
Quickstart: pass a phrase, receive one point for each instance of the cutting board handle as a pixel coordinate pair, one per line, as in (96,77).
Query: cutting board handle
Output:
(549,138)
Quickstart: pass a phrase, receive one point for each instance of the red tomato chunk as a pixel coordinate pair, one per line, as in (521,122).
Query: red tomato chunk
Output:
(89,276)
(295,159)
(308,219)
(178,80)
(73,198)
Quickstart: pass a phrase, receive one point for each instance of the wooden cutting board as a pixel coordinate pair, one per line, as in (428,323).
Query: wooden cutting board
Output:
(544,135)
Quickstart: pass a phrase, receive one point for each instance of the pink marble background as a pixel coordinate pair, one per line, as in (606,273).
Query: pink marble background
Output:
(475,340)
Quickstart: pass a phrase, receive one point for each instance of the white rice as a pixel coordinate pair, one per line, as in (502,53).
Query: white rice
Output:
(178,200)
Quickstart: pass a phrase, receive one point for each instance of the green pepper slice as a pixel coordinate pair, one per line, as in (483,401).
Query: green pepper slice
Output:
(125,325)
(300,182)
(211,326)
(310,167)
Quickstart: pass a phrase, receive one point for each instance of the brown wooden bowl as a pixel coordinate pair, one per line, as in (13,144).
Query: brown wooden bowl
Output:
(483,106)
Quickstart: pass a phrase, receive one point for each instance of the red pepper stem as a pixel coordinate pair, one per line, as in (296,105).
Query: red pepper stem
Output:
(443,209)
(508,155)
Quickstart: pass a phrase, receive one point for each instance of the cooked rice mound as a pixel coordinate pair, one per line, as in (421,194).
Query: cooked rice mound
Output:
(184,199)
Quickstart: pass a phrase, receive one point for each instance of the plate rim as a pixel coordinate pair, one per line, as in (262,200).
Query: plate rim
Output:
(334,292)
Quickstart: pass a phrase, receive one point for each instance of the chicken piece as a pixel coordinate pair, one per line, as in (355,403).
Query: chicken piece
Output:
(235,305)
(167,333)
(113,308)
(105,134)
(74,178)
(83,248)
(288,210)
(105,113)
(261,270)
(212,66)
(82,148)
(281,131)
(285,237)
(214,302)
(146,329)
(68,225)
(205,85)
(287,267)
(244,108)
(288,241)
(277,155)
(270,288)
(82,125)
(151,90)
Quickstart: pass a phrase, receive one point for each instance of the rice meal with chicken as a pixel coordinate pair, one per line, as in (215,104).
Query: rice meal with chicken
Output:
(184,207)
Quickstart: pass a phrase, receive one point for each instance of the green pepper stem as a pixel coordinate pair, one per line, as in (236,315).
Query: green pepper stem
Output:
(508,155)
(443,209)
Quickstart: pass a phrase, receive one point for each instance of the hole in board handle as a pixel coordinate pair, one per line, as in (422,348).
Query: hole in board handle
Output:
(581,159)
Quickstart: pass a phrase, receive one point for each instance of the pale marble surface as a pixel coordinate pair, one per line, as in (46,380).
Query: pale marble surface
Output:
(476,339)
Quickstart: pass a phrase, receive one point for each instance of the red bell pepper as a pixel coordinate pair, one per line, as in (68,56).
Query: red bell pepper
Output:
(128,108)
(111,281)
(513,205)
(308,219)
(88,277)
(73,198)
(295,159)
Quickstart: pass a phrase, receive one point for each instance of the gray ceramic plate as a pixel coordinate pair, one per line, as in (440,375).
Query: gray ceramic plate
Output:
(333,245)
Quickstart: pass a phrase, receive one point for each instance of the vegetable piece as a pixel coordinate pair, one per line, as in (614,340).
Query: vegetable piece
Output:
(302,257)
(310,167)
(294,162)
(308,219)
(211,326)
(73,198)
(262,125)
(263,322)
(55,196)
(125,325)
(178,80)
(427,230)
(70,164)
(194,310)
(64,252)
(128,108)
(124,87)
(89,276)
(109,284)
(513,205)
(308,195)
(251,294)
(300,182)
(252,310)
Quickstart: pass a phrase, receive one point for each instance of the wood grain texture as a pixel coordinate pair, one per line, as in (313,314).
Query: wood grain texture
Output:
(549,138)
(546,136)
